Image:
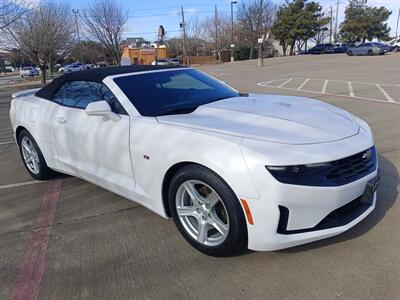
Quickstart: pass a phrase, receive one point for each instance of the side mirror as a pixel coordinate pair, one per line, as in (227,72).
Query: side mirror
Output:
(101,108)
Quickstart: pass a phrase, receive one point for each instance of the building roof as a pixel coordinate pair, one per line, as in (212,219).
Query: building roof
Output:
(94,75)
(135,39)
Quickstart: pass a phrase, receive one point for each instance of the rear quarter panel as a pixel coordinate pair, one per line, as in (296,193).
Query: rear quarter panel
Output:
(35,115)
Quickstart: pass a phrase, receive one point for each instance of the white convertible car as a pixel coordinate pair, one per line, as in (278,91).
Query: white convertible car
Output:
(233,170)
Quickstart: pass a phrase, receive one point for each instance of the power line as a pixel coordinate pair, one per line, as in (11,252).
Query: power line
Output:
(177,13)
(174,7)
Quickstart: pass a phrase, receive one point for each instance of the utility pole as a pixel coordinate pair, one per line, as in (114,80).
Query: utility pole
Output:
(330,28)
(336,20)
(260,61)
(216,34)
(76,12)
(186,61)
(397,26)
(232,42)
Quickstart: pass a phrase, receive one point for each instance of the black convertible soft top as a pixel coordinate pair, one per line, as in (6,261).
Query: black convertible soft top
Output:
(96,75)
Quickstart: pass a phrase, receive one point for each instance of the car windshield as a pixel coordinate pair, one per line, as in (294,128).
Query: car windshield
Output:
(172,92)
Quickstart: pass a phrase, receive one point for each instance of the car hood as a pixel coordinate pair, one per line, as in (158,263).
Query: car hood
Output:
(273,118)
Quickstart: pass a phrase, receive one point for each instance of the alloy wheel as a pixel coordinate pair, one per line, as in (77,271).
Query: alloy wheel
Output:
(30,155)
(202,213)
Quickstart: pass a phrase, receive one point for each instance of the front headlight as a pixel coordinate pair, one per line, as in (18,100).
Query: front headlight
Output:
(300,174)
(334,173)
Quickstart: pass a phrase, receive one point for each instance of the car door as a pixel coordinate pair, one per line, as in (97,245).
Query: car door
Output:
(93,147)
(364,49)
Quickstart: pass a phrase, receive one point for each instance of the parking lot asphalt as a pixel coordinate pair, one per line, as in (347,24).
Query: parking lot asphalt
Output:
(68,239)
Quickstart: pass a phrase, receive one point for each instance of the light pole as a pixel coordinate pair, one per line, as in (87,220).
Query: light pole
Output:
(397,27)
(232,42)
(76,12)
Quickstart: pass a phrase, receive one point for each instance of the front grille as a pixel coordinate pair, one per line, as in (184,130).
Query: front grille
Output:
(353,167)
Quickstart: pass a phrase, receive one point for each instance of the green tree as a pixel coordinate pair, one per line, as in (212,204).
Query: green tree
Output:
(88,52)
(363,22)
(298,21)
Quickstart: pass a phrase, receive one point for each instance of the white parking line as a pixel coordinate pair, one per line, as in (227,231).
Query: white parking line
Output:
(303,84)
(390,99)
(14,185)
(351,91)
(6,143)
(270,84)
(282,84)
(324,87)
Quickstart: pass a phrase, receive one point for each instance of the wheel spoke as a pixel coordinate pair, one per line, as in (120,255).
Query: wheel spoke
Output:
(203,231)
(186,211)
(29,159)
(26,147)
(213,199)
(35,165)
(193,193)
(219,225)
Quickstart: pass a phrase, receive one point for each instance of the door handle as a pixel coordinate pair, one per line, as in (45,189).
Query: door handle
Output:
(61,120)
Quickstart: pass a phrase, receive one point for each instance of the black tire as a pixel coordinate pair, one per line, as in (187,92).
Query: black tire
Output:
(44,171)
(396,49)
(236,239)
(370,52)
(350,53)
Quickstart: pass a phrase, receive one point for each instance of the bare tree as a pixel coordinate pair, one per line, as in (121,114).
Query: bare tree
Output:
(216,30)
(11,11)
(42,33)
(255,18)
(105,21)
(194,33)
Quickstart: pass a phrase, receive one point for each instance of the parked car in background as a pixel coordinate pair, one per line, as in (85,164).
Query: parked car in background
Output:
(73,68)
(342,48)
(394,45)
(160,62)
(322,49)
(28,72)
(100,65)
(384,47)
(174,61)
(78,66)
(365,49)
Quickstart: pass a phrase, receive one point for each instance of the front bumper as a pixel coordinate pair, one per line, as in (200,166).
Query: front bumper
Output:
(310,214)
(307,206)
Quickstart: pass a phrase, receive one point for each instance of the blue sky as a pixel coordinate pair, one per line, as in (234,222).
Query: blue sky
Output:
(146,16)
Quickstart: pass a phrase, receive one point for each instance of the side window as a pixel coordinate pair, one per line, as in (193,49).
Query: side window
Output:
(79,94)
(59,95)
(104,93)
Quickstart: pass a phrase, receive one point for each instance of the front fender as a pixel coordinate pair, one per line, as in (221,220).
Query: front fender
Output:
(158,147)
